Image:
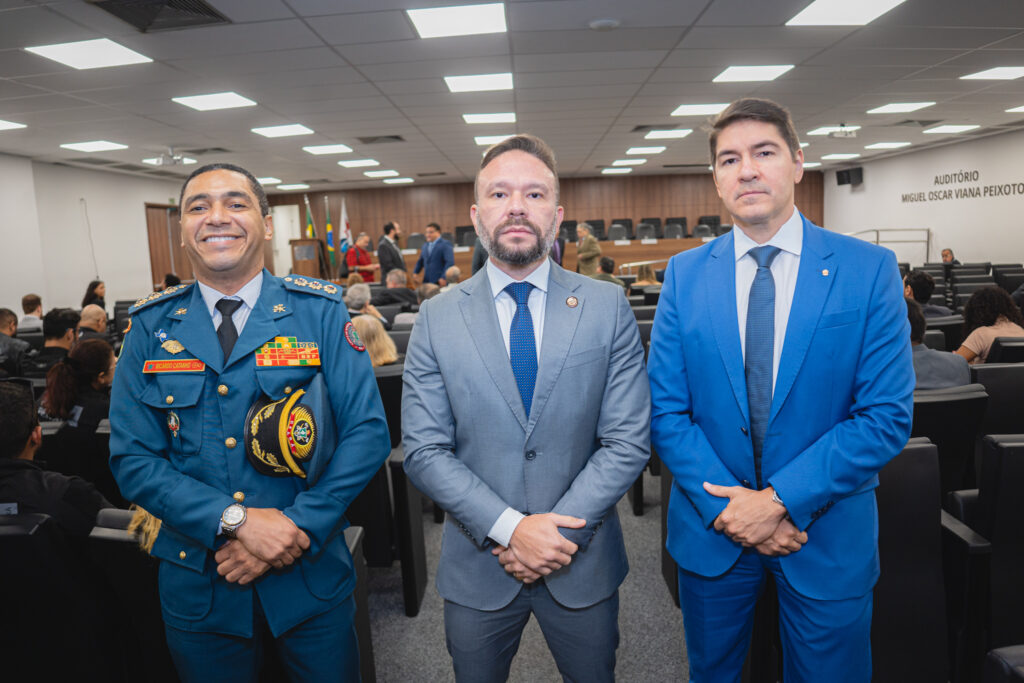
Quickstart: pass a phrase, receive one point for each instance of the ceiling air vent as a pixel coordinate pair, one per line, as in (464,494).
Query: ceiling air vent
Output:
(316,181)
(206,150)
(150,16)
(379,139)
(91,161)
(431,174)
(654,126)
(918,123)
(685,166)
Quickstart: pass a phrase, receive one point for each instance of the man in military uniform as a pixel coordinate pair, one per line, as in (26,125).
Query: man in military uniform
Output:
(245,416)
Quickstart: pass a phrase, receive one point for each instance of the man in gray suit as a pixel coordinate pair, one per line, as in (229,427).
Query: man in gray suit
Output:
(525,415)
(934,369)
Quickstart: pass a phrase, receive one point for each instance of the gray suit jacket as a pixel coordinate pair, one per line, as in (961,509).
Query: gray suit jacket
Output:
(470,447)
(939,369)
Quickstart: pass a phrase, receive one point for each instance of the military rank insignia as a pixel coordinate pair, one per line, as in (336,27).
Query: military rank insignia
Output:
(280,436)
(352,337)
(172,346)
(173,424)
(287,352)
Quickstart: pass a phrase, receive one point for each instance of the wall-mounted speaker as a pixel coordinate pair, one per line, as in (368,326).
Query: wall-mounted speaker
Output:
(850,176)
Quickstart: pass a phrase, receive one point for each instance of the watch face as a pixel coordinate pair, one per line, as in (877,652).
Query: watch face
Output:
(233,515)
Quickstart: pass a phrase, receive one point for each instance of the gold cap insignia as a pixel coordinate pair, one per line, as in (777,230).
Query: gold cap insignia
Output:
(280,436)
(172,346)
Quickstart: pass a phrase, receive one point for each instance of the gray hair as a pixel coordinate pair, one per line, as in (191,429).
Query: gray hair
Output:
(585,226)
(357,296)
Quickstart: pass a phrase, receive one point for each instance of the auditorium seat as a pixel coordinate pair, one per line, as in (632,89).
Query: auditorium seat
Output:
(597,225)
(961,287)
(904,268)
(636,299)
(1011,281)
(412,553)
(627,223)
(34,339)
(401,339)
(656,222)
(400,327)
(465,235)
(415,240)
(1003,383)
(389,311)
(957,278)
(571,224)
(627,280)
(1004,665)
(711,221)
(651,295)
(74,452)
(963,271)
(1006,350)
(646,231)
(702,230)
(723,229)
(985,266)
(938,299)
(674,231)
(617,232)
(644,312)
(935,339)
(951,419)
(679,220)
(567,233)
(952,326)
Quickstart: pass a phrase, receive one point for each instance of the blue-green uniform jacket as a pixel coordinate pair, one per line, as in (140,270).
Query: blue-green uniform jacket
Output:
(186,468)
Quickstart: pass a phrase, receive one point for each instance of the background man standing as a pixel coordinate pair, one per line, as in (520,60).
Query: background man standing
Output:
(436,256)
(529,485)
(359,260)
(389,254)
(203,389)
(782,382)
(588,251)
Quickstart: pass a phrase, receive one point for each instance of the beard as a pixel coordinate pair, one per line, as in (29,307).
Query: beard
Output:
(520,255)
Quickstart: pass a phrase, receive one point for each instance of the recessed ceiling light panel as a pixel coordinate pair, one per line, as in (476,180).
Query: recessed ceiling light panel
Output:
(217,100)
(740,74)
(698,109)
(502,117)
(645,150)
(294,186)
(629,162)
(840,157)
(283,131)
(10,125)
(674,134)
(812,164)
(398,181)
(1000,73)
(359,163)
(269,180)
(380,174)
(464,20)
(887,145)
(951,129)
(616,171)
(491,139)
(479,82)
(90,54)
(94,146)
(828,130)
(842,12)
(900,107)
(328,149)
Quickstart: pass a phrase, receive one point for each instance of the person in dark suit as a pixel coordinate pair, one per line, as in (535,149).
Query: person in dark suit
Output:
(919,286)
(558,250)
(396,291)
(13,352)
(389,254)
(782,382)
(479,255)
(60,332)
(948,257)
(933,369)
(93,324)
(436,256)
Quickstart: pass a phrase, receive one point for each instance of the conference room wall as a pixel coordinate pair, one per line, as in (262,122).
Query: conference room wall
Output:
(21,271)
(664,196)
(985,228)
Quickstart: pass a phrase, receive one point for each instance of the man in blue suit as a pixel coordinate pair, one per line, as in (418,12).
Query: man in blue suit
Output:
(781,383)
(245,417)
(436,256)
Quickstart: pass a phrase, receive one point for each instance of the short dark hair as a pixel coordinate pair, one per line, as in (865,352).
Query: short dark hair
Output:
(917,322)
(254,185)
(17,419)
(30,302)
(434,225)
(7,316)
(755,109)
(58,321)
(531,144)
(607,264)
(389,228)
(922,284)
(171,280)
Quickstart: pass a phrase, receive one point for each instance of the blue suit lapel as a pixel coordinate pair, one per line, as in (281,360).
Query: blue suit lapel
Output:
(481,320)
(812,288)
(721,304)
(560,322)
(194,329)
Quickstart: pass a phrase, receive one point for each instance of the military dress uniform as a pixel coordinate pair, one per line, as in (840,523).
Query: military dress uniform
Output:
(178,448)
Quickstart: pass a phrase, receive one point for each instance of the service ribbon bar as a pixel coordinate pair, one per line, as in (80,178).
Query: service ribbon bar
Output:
(287,352)
(184,365)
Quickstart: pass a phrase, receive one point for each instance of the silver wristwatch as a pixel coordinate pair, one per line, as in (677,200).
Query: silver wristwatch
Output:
(776,499)
(232,518)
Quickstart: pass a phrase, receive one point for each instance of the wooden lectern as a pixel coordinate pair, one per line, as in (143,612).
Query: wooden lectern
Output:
(308,257)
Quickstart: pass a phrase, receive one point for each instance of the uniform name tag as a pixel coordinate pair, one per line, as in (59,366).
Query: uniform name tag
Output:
(287,352)
(184,365)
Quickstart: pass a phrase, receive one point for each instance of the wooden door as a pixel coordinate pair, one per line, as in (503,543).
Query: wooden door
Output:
(165,252)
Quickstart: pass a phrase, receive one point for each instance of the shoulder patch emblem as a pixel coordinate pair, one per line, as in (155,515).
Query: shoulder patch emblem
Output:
(352,337)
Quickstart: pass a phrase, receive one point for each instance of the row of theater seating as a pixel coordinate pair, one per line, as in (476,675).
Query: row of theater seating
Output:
(618,229)
(954,284)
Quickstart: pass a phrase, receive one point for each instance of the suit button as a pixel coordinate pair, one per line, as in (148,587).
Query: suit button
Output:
(239,497)
(222,390)
(230,442)
(182,554)
(530,455)
(169,400)
(744,430)
(746,483)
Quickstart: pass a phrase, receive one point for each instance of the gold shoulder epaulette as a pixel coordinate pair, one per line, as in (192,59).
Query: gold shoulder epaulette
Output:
(157,296)
(311,285)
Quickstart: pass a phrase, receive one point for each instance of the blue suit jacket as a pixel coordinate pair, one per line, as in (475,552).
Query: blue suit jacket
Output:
(841,409)
(188,476)
(440,259)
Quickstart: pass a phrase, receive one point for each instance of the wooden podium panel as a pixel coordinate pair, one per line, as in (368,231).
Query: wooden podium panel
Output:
(308,257)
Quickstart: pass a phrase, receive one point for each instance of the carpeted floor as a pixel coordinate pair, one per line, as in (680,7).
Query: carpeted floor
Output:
(651,627)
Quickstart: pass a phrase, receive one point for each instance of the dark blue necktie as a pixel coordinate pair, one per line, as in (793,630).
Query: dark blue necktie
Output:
(227,333)
(522,349)
(760,348)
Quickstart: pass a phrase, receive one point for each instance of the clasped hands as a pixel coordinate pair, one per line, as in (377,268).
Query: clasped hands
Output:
(754,520)
(537,548)
(266,539)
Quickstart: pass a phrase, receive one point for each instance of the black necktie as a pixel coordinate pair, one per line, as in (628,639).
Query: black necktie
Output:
(226,333)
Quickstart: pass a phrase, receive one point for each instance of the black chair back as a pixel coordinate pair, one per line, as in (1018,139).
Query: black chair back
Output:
(636,299)
(1003,383)
(645,332)
(465,235)
(389,311)
(401,339)
(34,339)
(651,295)
(951,419)
(952,326)
(1006,350)
(597,225)
(644,312)
(646,231)
(415,240)
(711,221)
(656,222)
(674,231)
(627,280)
(703,230)
(76,452)
(935,339)
(617,232)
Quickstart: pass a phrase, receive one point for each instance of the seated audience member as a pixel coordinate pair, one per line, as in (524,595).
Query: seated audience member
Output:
(396,291)
(32,320)
(78,387)
(13,352)
(947,257)
(606,270)
(1018,296)
(989,313)
(479,256)
(354,279)
(170,280)
(934,369)
(427,290)
(60,331)
(24,486)
(359,260)
(94,294)
(919,286)
(452,277)
(645,277)
(357,300)
(93,324)
(379,344)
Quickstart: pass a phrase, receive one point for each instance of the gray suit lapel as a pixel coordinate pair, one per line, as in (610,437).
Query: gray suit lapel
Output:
(560,321)
(481,320)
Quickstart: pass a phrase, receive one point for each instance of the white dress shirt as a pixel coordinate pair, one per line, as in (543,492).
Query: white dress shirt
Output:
(249,294)
(789,239)
(505,306)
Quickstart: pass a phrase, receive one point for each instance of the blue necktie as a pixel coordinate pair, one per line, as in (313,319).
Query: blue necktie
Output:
(522,349)
(760,349)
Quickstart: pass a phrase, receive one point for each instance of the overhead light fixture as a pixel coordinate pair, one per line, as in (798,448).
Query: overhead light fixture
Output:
(90,54)
(398,181)
(491,139)
(479,82)
(951,129)
(170,160)
(504,117)
(358,163)
(269,180)
(217,100)
(887,145)
(464,20)
(616,171)
(999,73)
(629,162)
(699,109)
(900,107)
(646,150)
(380,174)
(842,12)
(804,144)
(283,131)
(328,149)
(839,157)
(94,146)
(812,164)
(738,74)
(1015,110)
(294,186)
(673,134)
(10,125)
(829,130)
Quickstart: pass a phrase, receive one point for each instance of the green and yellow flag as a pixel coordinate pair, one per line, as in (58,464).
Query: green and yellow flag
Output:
(330,231)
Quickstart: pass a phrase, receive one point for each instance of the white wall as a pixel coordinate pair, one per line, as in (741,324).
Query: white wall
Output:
(982,228)
(21,262)
(286,227)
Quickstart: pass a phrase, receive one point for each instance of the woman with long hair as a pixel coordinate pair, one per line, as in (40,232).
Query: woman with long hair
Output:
(78,387)
(644,277)
(379,343)
(989,313)
(94,294)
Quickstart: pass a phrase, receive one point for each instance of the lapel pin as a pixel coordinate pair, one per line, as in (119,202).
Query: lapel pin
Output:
(825,272)
(181,311)
(572,302)
(278,308)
